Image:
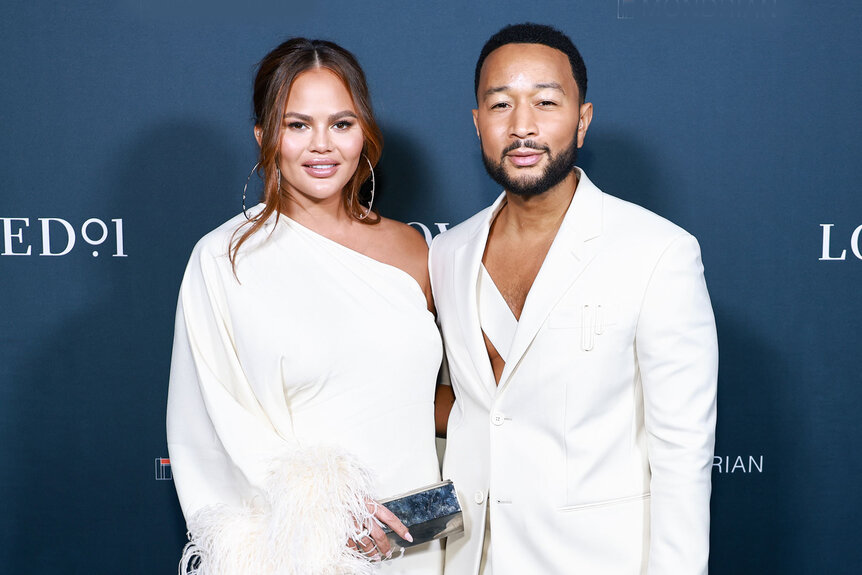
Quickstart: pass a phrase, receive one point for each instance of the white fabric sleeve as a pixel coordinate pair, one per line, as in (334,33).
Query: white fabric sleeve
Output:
(677,354)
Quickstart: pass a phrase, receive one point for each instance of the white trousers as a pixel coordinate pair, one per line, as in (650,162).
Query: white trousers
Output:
(485,567)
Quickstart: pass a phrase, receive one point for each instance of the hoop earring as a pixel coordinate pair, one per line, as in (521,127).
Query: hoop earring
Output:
(245,187)
(373,186)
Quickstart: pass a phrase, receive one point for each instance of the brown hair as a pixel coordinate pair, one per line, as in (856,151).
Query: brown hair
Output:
(275,76)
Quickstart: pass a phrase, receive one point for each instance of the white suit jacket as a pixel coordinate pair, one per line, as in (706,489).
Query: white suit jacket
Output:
(595,450)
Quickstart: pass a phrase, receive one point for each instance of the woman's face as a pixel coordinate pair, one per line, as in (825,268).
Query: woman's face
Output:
(321,139)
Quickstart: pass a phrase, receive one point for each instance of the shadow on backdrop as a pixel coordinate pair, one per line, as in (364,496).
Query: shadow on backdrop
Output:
(406,184)
(621,167)
(750,370)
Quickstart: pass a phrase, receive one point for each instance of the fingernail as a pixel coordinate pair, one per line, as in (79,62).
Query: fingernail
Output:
(389,554)
(408,537)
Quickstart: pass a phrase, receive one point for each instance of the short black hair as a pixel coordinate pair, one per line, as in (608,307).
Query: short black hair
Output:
(529,33)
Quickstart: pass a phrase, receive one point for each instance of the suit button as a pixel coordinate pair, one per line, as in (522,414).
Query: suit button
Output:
(479,497)
(497,419)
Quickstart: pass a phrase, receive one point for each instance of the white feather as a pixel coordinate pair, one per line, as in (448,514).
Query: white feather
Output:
(313,501)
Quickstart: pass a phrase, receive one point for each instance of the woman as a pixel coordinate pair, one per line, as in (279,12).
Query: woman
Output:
(305,353)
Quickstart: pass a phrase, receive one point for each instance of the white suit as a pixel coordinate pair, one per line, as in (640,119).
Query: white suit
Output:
(594,451)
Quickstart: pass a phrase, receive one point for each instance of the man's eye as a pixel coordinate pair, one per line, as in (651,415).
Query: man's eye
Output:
(499,105)
(546,103)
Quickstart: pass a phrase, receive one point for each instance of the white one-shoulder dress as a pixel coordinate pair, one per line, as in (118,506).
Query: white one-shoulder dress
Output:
(303,382)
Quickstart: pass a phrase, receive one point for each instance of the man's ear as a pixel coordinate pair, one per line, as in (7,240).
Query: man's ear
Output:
(476,122)
(586,117)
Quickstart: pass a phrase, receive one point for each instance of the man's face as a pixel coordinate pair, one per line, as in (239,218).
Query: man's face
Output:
(529,121)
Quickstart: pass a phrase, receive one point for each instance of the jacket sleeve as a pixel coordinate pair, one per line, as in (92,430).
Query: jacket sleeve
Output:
(677,354)
(255,501)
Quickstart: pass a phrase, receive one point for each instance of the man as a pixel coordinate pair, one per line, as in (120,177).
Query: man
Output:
(581,347)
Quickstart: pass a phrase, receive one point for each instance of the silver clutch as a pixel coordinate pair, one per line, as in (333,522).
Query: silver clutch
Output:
(430,512)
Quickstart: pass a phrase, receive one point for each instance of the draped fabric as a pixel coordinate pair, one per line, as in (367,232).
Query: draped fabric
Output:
(313,365)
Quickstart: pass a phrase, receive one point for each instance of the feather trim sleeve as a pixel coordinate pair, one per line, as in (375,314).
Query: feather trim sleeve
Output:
(255,500)
(298,525)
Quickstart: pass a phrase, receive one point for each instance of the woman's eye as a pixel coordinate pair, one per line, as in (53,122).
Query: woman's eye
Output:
(296,125)
(342,125)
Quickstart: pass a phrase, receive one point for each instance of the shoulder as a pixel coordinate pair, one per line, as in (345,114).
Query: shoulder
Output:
(633,229)
(625,217)
(406,240)
(649,237)
(460,234)
(404,247)
(212,251)
(217,241)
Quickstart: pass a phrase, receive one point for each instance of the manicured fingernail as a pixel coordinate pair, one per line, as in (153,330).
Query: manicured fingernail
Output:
(408,537)
(389,554)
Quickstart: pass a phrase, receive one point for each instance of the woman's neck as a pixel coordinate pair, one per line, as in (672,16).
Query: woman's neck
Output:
(327,217)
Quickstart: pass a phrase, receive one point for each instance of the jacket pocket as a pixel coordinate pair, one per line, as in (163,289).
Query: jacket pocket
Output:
(606,503)
(590,320)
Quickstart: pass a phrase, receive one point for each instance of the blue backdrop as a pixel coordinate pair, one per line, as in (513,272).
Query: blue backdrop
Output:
(126,135)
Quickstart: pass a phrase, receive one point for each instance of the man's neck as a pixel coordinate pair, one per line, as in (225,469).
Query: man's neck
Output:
(542,213)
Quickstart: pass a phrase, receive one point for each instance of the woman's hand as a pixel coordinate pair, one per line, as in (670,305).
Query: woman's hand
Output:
(377,545)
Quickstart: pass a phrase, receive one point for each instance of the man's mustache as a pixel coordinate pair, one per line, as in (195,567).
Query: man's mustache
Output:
(524,144)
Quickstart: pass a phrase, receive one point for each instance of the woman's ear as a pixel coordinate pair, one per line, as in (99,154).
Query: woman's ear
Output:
(258,134)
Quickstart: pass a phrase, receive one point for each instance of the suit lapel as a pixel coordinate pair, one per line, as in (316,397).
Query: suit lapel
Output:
(467,258)
(575,245)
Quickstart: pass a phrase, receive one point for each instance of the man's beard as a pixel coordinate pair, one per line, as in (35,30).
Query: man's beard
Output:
(559,167)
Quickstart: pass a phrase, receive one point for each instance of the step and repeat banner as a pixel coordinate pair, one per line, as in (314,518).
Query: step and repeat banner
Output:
(127,134)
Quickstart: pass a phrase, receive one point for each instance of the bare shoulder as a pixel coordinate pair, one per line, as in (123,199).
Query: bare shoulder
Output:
(404,247)
(405,238)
